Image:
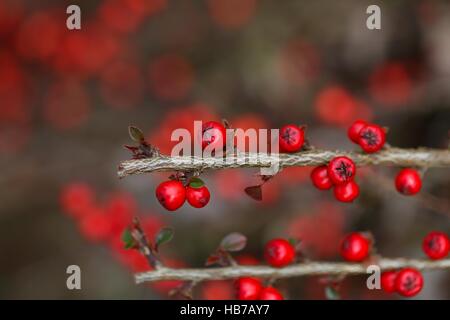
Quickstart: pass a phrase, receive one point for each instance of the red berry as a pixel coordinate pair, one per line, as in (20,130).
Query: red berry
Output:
(171,194)
(320,179)
(248,288)
(346,192)
(213,133)
(341,169)
(270,293)
(279,253)
(436,245)
(291,138)
(197,197)
(388,281)
(408,182)
(409,282)
(354,129)
(355,247)
(372,138)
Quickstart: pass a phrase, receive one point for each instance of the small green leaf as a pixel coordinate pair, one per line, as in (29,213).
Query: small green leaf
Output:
(136,134)
(127,239)
(196,183)
(233,242)
(331,293)
(164,235)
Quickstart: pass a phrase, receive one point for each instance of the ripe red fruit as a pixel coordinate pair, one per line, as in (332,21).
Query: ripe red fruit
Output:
(409,282)
(320,179)
(355,247)
(436,245)
(248,288)
(213,133)
(354,129)
(408,182)
(341,169)
(372,138)
(279,253)
(346,192)
(171,194)
(388,281)
(270,293)
(197,197)
(291,138)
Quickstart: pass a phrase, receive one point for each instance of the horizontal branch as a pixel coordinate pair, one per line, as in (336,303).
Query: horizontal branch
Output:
(421,157)
(300,269)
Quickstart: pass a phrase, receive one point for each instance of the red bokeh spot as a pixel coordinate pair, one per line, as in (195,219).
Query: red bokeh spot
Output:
(67,105)
(146,7)
(299,62)
(96,225)
(320,232)
(232,14)
(182,117)
(121,85)
(390,84)
(86,52)
(230,184)
(11,13)
(217,290)
(31,46)
(77,198)
(120,208)
(171,77)
(334,105)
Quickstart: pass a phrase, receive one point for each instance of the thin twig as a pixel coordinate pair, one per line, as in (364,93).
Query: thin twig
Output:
(420,157)
(300,269)
(144,246)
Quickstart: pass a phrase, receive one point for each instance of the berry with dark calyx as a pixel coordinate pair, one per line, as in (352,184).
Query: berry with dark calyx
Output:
(213,133)
(270,293)
(171,194)
(248,288)
(197,194)
(341,170)
(354,129)
(346,192)
(355,247)
(436,245)
(372,138)
(409,282)
(320,179)
(279,253)
(388,281)
(291,138)
(408,182)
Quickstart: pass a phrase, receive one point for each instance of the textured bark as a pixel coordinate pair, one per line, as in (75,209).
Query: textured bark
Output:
(297,270)
(421,157)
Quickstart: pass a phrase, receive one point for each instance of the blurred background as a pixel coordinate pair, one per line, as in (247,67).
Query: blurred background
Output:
(67,98)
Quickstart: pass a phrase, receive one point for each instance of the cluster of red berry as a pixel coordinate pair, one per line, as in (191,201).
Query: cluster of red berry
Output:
(172,194)
(341,170)
(339,173)
(356,247)
(370,137)
(278,253)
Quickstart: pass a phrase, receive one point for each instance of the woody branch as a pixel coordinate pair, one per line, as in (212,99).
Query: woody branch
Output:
(420,157)
(297,270)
